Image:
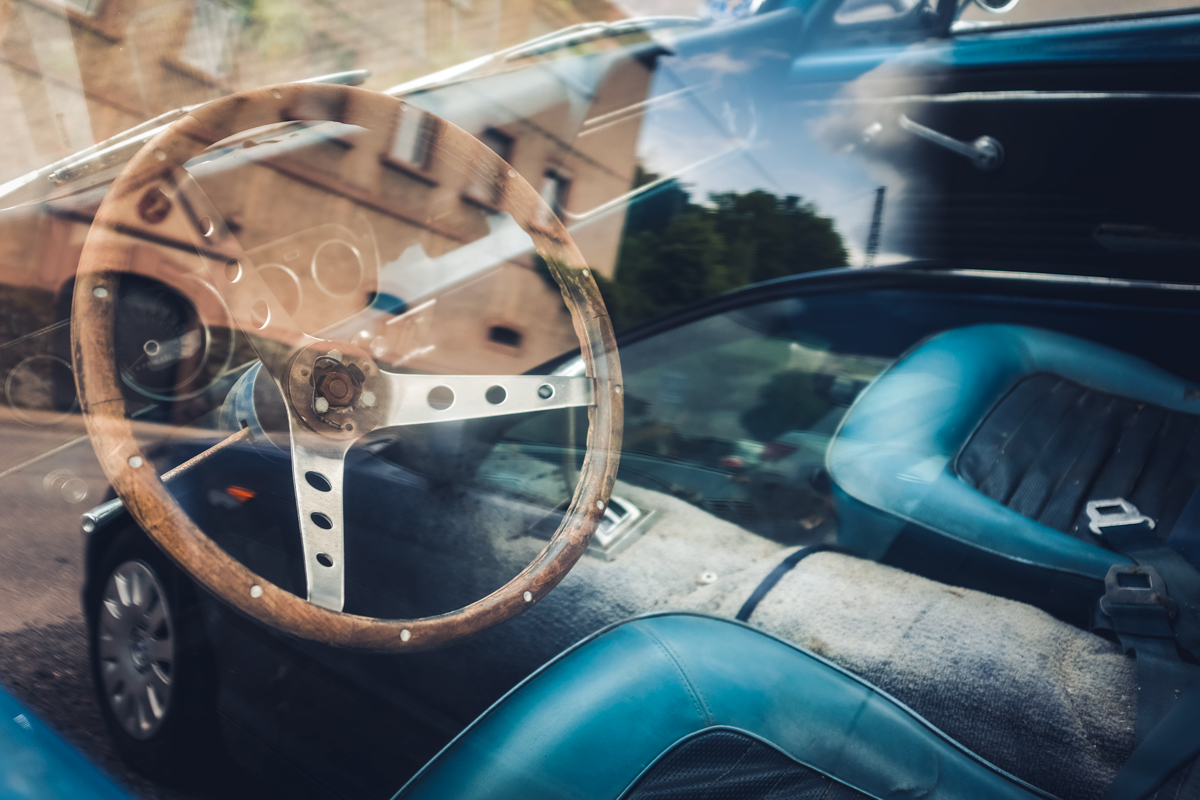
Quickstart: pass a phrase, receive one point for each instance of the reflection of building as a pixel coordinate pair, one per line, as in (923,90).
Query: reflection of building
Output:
(425,235)
(73,72)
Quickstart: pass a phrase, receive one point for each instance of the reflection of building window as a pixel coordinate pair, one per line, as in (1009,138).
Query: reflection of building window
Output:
(500,142)
(209,43)
(411,144)
(555,190)
(485,184)
(502,334)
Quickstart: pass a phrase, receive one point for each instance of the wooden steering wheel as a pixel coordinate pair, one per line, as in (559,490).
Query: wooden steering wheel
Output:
(155,200)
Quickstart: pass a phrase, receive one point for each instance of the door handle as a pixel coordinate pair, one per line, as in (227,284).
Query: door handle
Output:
(985,152)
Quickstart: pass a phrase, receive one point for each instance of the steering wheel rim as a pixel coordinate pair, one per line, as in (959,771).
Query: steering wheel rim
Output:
(153,197)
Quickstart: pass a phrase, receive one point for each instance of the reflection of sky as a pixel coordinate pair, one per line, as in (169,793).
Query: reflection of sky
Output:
(652,8)
(780,137)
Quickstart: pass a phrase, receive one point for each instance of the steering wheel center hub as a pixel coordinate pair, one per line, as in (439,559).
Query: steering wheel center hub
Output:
(336,389)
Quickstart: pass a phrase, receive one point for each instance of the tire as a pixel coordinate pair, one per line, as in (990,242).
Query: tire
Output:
(152,671)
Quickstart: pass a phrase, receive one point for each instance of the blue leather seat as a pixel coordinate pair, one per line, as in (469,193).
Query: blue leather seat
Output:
(687,706)
(972,458)
(35,764)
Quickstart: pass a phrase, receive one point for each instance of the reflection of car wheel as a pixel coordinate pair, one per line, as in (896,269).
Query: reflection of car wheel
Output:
(152,673)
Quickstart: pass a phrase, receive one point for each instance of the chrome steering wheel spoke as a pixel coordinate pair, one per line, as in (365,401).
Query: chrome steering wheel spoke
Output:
(414,399)
(317,461)
(336,393)
(318,467)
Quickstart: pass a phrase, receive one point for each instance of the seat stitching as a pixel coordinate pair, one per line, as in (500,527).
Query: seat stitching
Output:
(1016,431)
(1081,444)
(1061,483)
(1156,442)
(701,706)
(771,789)
(713,783)
(1117,430)
(1019,478)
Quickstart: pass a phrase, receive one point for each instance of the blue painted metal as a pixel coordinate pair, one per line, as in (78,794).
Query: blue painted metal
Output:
(1143,39)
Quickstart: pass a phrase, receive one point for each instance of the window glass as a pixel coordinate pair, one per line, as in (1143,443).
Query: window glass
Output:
(733,414)
(360,358)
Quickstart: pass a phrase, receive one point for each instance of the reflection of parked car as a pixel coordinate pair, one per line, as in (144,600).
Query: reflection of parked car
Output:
(953,497)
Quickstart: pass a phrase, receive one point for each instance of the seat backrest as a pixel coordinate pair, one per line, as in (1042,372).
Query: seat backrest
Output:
(655,699)
(894,466)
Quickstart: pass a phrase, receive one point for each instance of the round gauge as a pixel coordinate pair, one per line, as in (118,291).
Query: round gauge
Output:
(160,342)
(41,390)
(337,267)
(284,284)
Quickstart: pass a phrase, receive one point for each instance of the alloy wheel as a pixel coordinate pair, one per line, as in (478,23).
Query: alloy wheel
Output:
(136,648)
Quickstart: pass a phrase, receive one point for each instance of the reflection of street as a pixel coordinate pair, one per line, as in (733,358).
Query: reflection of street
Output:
(41,571)
(43,644)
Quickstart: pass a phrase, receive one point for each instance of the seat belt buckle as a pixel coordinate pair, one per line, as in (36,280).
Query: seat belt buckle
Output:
(1135,586)
(1105,516)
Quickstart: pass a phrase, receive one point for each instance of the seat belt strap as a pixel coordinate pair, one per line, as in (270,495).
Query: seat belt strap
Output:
(1152,606)
(785,566)
(1168,748)
(1137,608)
(1185,534)
(1180,585)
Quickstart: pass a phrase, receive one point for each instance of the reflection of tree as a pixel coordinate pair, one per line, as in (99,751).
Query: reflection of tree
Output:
(787,402)
(675,252)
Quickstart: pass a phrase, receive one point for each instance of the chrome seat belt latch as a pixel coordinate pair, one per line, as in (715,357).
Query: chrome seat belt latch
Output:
(1104,515)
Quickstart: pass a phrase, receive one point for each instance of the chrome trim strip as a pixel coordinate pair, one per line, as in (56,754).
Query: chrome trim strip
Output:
(574,219)
(1008,95)
(1088,280)
(595,123)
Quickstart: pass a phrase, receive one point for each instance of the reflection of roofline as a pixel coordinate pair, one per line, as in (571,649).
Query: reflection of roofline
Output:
(555,40)
(118,148)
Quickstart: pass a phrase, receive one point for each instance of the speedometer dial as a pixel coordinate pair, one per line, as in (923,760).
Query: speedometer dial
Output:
(162,345)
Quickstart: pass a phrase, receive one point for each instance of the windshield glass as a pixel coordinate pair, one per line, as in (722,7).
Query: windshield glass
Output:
(599,398)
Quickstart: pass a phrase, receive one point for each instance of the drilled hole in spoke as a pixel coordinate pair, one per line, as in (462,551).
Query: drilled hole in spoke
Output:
(318,481)
(324,560)
(233,270)
(441,397)
(495,395)
(320,520)
(545,391)
(206,226)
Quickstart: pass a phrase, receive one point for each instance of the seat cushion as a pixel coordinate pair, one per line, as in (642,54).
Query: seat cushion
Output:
(972,458)
(730,765)
(634,709)
(1051,444)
